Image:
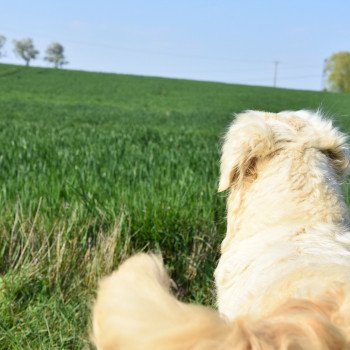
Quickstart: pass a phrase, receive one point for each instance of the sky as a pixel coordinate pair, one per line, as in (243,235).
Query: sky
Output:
(219,40)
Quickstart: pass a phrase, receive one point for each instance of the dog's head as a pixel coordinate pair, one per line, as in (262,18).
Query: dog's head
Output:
(256,137)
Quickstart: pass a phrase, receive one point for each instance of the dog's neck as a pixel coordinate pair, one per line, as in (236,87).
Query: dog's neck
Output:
(297,190)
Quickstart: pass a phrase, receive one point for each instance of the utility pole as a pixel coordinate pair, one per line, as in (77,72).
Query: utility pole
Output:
(324,75)
(276,63)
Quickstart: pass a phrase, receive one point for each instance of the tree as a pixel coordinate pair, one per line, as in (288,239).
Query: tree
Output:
(2,43)
(338,71)
(55,55)
(25,49)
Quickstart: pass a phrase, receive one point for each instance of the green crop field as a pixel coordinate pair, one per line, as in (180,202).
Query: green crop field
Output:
(94,167)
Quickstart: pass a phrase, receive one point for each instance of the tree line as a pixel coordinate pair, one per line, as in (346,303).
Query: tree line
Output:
(337,66)
(26,50)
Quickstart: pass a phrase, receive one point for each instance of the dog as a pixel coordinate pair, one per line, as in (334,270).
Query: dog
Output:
(283,279)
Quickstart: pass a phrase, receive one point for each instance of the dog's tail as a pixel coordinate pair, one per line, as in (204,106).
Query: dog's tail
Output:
(134,310)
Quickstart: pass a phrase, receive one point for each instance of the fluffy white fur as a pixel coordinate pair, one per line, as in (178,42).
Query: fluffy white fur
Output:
(283,279)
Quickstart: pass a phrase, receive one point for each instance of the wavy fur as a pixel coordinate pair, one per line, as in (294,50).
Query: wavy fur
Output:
(283,279)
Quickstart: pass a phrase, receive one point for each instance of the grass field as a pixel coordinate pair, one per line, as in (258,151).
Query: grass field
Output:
(94,167)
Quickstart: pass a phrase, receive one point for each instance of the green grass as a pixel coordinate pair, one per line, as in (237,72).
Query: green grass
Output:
(94,167)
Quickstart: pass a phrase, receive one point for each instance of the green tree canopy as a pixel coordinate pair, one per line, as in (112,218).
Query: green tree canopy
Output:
(338,71)
(25,49)
(55,55)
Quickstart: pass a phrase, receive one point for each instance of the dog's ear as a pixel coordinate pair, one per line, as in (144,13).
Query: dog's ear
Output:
(338,155)
(339,158)
(248,140)
(330,141)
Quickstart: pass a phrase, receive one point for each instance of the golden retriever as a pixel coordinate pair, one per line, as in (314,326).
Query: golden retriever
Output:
(283,279)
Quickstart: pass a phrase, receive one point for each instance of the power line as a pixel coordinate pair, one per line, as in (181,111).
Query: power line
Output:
(237,64)
(162,53)
(287,78)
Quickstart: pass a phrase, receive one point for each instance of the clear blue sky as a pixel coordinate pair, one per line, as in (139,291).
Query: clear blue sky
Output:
(222,40)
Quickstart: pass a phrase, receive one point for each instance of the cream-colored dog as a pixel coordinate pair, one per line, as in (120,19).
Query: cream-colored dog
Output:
(283,280)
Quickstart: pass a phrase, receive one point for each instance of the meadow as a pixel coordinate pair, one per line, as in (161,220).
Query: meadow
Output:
(95,167)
